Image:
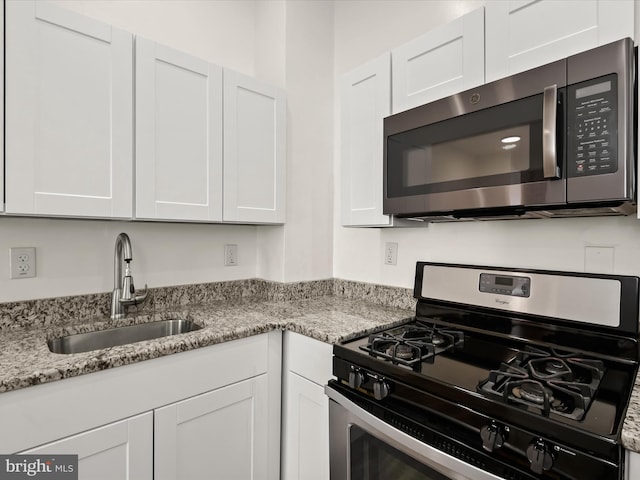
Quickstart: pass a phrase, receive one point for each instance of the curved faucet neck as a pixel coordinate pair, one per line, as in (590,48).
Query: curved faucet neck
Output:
(123,253)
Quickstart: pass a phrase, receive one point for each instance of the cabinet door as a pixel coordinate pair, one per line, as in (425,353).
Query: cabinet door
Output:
(633,465)
(254,151)
(523,34)
(220,434)
(178,135)
(2,107)
(306,434)
(69,98)
(119,451)
(444,61)
(365,99)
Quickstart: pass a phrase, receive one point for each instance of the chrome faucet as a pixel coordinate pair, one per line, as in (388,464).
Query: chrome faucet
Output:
(124,293)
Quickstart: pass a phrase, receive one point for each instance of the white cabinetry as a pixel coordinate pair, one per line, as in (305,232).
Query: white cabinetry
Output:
(2,107)
(633,465)
(307,367)
(210,411)
(525,34)
(254,151)
(118,451)
(178,135)
(365,100)
(223,432)
(441,62)
(69,97)
(444,61)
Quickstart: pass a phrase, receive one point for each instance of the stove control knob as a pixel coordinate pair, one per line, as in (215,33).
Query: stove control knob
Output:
(493,436)
(540,456)
(380,389)
(356,378)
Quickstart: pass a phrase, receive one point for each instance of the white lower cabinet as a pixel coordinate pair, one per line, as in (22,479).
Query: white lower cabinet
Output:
(633,465)
(213,412)
(220,434)
(118,451)
(305,442)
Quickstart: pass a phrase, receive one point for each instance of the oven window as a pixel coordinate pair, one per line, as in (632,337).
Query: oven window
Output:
(497,146)
(373,459)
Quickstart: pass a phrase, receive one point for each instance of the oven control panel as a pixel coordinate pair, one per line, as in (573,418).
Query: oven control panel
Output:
(512,285)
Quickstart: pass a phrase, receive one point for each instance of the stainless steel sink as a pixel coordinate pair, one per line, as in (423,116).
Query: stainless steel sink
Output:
(85,342)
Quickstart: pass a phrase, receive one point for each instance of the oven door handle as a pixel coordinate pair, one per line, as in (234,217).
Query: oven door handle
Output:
(447,465)
(550,168)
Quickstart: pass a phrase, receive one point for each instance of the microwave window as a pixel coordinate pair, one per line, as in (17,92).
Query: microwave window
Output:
(498,152)
(497,146)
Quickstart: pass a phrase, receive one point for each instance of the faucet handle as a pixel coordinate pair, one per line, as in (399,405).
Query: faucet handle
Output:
(131,296)
(141,296)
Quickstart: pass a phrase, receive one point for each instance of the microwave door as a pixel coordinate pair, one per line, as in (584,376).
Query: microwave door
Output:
(501,157)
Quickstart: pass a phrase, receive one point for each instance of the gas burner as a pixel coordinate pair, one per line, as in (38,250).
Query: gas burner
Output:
(548,381)
(402,351)
(533,392)
(411,344)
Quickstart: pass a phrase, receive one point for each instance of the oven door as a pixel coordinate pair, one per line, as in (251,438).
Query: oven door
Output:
(363,447)
(498,146)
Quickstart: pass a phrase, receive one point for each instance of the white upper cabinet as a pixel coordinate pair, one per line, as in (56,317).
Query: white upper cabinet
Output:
(254,151)
(444,61)
(523,34)
(69,98)
(2,108)
(365,99)
(178,135)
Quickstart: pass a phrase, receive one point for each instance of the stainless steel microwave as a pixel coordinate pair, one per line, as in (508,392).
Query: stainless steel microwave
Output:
(557,140)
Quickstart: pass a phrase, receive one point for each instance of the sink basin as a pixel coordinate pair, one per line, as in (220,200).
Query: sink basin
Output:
(85,342)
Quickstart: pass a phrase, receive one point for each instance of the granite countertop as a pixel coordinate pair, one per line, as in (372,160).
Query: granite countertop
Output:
(631,427)
(25,358)
(342,312)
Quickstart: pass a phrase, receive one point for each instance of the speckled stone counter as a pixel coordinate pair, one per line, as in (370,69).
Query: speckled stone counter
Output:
(631,427)
(329,311)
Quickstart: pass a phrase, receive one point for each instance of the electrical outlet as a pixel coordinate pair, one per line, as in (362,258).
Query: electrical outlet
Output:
(22,262)
(390,253)
(230,255)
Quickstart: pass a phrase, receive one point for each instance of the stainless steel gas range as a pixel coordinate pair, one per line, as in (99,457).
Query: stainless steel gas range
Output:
(502,374)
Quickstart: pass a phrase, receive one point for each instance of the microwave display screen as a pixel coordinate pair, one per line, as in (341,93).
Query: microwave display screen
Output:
(593,89)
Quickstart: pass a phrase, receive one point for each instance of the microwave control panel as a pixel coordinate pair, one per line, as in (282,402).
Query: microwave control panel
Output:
(592,126)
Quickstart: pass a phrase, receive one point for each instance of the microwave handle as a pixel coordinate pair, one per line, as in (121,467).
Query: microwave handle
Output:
(549,121)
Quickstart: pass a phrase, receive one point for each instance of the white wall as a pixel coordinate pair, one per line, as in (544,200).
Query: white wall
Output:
(302,249)
(365,29)
(76,256)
